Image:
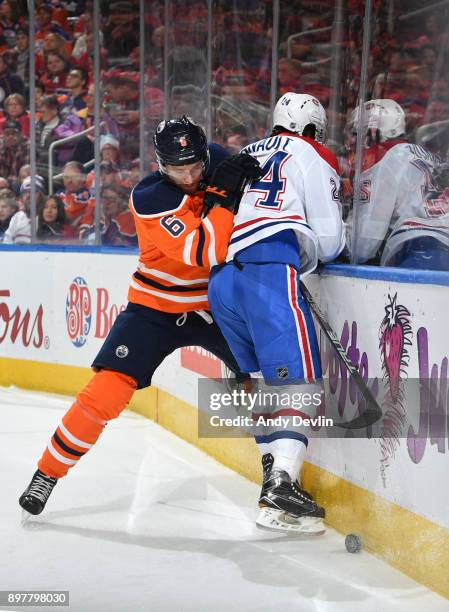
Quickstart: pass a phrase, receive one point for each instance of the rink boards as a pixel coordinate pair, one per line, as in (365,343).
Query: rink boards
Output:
(57,307)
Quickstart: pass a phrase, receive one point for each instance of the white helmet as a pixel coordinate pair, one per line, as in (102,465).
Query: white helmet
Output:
(294,111)
(383,115)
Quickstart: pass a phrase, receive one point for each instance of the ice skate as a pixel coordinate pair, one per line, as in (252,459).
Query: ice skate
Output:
(35,496)
(284,506)
(267,465)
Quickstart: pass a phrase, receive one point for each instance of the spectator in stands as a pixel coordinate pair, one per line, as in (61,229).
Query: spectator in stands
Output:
(85,59)
(39,93)
(437,110)
(400,82)
(9,21)
(117,225)
(238,85)
(8,208)
(24,171)
(188,65)
(155,68)
(109,175)
(19,230)
(121,31)
(14,109)
(426,68)
(109,149)
(123,104)
(84,22)
(390,84)
(52,224)
(14,151)
(75,195)
(237,138)
(132,176)
(188,100)
(60,12)
(50,127)
(77,86)
(22,54)
(87,114)
(289,76)
(300,48)
(84,150)
(9,83)
(237,107)
(53,43)
(123,100)
(55,77)
(45,24)
(435,32)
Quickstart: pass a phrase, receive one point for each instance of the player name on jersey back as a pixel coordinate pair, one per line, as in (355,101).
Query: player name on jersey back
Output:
(299,191)
(269,144)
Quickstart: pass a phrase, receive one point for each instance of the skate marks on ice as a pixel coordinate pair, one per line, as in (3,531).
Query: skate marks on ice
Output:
(146,508)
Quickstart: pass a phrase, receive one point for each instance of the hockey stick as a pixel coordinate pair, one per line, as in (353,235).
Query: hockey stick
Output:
(372,412)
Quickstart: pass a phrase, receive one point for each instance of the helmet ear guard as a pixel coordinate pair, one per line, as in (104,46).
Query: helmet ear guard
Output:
(298,113)
(179,142)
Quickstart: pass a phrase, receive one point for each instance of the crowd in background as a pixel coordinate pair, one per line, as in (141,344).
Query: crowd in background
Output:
(319,52)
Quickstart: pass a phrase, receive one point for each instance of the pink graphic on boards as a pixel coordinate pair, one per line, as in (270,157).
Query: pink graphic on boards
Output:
(394,339)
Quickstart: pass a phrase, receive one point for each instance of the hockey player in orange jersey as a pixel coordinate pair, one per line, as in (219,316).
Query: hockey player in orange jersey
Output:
(168,304)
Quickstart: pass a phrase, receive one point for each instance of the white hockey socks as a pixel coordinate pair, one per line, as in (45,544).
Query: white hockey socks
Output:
(288,455)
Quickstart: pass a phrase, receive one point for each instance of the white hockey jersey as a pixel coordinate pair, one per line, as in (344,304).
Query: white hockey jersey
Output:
(299,190)
(398,199)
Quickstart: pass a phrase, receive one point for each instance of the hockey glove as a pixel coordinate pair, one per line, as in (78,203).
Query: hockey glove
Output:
(228,181)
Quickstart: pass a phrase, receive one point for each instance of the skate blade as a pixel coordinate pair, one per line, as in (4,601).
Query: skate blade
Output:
(277,520)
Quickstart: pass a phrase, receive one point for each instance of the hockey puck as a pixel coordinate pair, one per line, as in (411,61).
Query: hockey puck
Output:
(353,543)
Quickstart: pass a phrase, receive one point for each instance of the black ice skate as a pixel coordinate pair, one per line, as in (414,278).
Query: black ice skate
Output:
(267,466)
(34,498)
(287,507)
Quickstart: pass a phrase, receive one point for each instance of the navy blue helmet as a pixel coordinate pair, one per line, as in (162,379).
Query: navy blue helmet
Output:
(179,142)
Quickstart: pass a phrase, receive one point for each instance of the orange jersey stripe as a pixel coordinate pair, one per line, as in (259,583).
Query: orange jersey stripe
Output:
(178,248)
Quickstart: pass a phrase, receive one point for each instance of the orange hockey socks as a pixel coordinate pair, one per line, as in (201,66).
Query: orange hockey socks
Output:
(103,399)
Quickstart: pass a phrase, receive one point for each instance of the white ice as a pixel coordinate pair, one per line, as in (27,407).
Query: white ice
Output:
(148,522)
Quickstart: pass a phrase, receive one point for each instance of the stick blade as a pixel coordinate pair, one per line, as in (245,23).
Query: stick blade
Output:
(370,416)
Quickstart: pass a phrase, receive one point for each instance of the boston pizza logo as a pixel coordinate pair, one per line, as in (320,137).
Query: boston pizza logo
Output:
(78,311)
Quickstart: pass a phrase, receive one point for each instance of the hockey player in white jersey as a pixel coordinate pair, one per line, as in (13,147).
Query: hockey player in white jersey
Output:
(287,221)
(402,200)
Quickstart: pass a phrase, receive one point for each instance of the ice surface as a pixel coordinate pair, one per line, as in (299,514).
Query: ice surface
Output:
(148,522)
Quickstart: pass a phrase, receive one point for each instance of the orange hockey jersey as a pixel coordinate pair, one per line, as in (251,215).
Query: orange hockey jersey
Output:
(177,247)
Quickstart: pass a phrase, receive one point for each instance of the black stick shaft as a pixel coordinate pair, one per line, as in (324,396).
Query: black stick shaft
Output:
(373,412)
